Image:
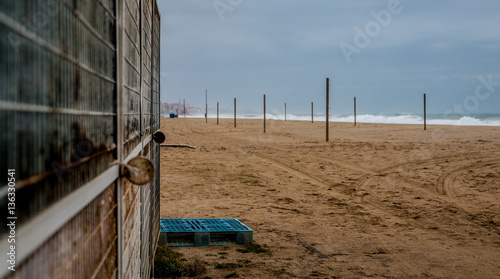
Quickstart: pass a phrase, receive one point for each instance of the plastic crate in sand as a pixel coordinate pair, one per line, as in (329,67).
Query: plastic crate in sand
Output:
(203,232)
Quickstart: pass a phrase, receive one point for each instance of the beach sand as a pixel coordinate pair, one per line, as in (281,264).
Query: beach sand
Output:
(377,200)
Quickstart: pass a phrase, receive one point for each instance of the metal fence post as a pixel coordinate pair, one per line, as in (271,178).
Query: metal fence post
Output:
(119,136)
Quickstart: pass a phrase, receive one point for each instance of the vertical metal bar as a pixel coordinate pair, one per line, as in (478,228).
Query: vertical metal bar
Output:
(152,76)
(285,111)
(206,106)
(234,112)
(425,113)
(184,108)
(141,34)
(354,111)
(119,135)
(217,113)
(264,113)
(141,119)
(327,107)
(159,125)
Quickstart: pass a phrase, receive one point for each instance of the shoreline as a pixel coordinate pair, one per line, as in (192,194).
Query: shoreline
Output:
(429,121)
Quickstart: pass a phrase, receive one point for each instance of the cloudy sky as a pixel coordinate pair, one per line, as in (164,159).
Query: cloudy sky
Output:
(386,53)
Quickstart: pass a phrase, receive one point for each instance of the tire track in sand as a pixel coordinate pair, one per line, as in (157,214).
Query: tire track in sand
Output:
(446,183)
(292,170)
(380,243)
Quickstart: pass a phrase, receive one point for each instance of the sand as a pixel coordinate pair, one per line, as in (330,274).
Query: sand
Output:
(377,200)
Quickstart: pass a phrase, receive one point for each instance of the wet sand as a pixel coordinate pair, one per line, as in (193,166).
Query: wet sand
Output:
(377,200)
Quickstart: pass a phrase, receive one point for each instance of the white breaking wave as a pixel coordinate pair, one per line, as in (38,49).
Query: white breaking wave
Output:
(370,118)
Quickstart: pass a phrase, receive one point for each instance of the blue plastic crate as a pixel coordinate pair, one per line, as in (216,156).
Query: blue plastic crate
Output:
(204,232)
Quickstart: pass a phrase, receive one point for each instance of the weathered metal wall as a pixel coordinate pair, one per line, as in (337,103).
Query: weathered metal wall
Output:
(146,116)
(131,74)
(79,90)
(58,113)
(132,137)
(155,123)
(84,248)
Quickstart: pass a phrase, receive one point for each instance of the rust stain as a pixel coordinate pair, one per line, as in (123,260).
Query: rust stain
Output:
(77,83)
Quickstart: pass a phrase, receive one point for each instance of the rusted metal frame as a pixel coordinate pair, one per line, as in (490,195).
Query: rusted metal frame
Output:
(130,218)
(82,19)
(103,260)
(143,42)
(155,239)
(146,48)
(137,150)
(89,237)
(107,10)
(130,13)
(129,247)
(120,30)
(130,113)
(141,31)
(127,214)
(152,73)
(7,105)
(132,65)
(128,35)
(133,90)
(41,176)
(21,30)
(154,81)
(44,225)
(145,229)
(141,110)
(159,74)
(131,139)
(154,150)
(135,47)
(92,30)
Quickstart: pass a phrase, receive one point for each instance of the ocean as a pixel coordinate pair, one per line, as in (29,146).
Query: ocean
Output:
(482,119)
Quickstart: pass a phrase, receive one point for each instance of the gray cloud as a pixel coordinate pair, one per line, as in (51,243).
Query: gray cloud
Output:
(286,49)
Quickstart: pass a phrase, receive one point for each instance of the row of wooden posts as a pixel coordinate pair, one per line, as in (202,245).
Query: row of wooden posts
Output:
(312,110)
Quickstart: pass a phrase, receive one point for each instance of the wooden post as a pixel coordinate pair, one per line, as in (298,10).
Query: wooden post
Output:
(217,113)
(264,113)
(425,113)
(206,106)
(312,112)
(327,107)
(285,111)
(234,112)
(354,111)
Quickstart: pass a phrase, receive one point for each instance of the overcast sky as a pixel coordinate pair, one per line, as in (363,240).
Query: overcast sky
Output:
(386,53)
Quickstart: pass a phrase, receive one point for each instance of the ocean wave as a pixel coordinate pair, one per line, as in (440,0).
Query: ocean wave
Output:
(479,120)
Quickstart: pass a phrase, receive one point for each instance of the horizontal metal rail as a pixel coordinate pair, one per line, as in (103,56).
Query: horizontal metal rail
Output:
(22,30)
(43,226)
(91,30)
(39,177)
(12,106)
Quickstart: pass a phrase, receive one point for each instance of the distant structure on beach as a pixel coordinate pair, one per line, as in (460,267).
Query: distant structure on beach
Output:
(176,108)
(179,109)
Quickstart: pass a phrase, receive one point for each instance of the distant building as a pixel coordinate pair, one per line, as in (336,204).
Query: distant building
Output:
(177,108)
